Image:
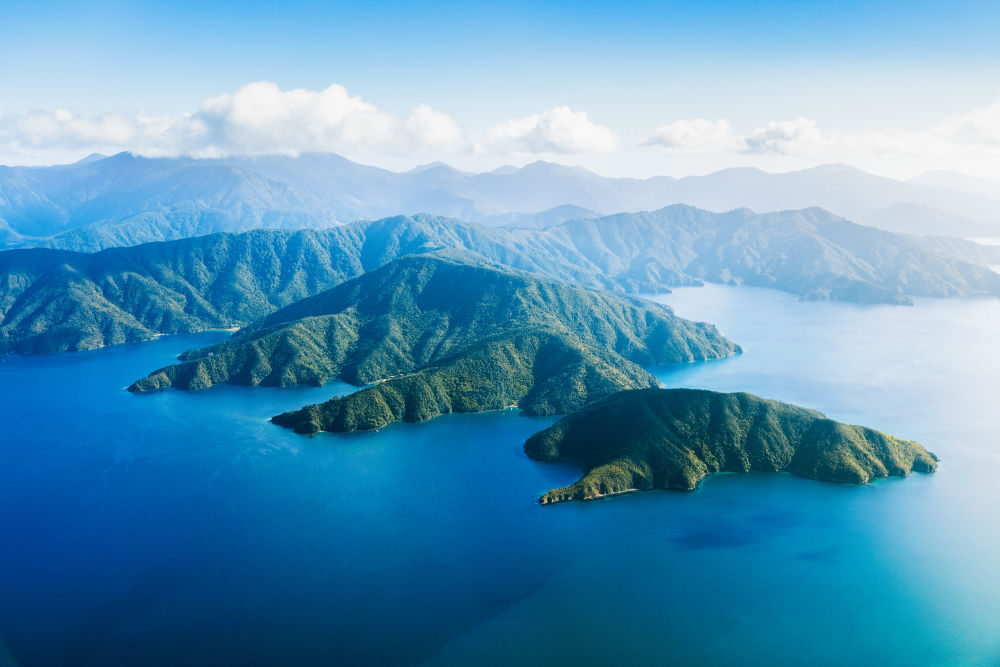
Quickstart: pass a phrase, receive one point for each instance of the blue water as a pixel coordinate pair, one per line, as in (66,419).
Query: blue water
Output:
(177,527)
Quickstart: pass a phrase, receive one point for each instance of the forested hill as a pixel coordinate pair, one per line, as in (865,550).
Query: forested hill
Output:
(445,335)
(53,300)
(674,438)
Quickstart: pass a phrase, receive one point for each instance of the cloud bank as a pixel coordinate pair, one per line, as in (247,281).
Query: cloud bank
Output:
(976,132)
(261,118)
(698,135)
(258,118)
(559,130)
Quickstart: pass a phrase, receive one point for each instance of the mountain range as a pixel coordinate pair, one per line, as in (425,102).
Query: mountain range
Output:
(124,199)
(53,300)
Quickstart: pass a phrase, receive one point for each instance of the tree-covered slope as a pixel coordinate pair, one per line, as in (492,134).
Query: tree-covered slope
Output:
(420,310)
(539,371)
(673,438)
(810,252)
(52,300)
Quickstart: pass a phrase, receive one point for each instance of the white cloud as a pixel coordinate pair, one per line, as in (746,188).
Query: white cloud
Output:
(141,132)
(558,130)
(258,118)
(979,128)
(435,129)
(262,118)
(897,142)
(792,137)
(973,134)
(698,135)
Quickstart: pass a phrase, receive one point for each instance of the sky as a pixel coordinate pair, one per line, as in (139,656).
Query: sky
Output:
(624,89)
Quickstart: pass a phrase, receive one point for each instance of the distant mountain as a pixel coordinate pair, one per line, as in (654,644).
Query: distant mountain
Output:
(674,438)
(810,253)
(542,219)
(125,200)
(440,335)
(959,182)
(848,192)
(53,300)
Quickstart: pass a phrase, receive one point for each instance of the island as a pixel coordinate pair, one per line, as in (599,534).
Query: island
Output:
(674,438)
(539,371)
(444,332)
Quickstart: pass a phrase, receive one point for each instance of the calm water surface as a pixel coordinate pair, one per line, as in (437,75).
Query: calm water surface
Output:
(176,527)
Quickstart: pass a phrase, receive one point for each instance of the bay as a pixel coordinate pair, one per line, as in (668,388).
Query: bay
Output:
(183,527)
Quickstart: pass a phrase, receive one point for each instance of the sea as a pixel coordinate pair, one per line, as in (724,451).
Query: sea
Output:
(183,528)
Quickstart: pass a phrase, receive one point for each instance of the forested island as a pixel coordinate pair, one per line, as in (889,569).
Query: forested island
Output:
(440,333)
(674,438)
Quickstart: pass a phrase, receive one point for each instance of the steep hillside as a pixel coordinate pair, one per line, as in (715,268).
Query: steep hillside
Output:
(541,372)
(54,300)
(674,438)
(419,311)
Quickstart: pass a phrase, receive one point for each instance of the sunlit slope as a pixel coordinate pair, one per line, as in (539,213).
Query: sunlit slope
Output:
(674,438)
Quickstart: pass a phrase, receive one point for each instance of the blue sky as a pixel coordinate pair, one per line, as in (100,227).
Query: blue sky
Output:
(848,68)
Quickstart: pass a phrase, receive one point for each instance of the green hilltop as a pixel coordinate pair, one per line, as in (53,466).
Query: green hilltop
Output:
(440,334)
(674,438)
(540,371)
(55,300)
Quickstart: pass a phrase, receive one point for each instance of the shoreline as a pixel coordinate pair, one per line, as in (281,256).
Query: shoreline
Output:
(400,421)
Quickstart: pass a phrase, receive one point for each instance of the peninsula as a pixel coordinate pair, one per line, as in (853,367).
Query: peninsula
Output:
(442,332)
(674,438)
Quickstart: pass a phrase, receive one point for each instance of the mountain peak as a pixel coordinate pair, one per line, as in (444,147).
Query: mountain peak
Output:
(543,167)
(93,157)
(836,168)
(437,165)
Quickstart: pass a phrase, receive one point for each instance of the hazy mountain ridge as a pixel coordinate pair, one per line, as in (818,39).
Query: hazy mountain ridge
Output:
(53,300)
(959,182)
(124,199)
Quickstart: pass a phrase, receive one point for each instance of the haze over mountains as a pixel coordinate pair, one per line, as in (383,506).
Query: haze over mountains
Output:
(102,202)
(959,182)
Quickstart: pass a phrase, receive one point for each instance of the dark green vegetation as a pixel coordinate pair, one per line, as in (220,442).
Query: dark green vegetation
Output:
(449,335)
(53,300)
(539,371)
(673,438)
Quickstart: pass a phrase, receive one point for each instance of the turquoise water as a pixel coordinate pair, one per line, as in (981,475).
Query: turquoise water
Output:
(177,527)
